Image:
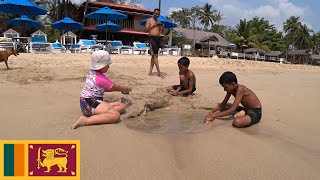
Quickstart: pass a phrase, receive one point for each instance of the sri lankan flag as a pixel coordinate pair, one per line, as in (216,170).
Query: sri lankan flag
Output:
(44,159)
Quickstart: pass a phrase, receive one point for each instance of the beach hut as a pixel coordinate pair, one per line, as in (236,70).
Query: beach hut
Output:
(315,59)
(255,53)
(202,37)
(298,56)
(40,33)
(274,56)
(10,33)
(68,38)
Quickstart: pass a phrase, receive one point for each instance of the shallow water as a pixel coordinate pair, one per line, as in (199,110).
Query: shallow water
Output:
(168,120)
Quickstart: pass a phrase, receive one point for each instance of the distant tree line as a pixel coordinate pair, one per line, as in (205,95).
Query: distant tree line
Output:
(256,33)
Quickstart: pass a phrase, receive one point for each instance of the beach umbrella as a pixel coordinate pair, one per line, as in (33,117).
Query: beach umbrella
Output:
(106,14)
(112,27)
(244,46)
(67,24)
(232,45)
(167,23)
(24,21)
(21,7)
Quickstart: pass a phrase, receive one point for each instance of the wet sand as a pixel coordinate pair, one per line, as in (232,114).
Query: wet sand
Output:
(40,100)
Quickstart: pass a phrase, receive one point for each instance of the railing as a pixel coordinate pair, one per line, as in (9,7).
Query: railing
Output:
(124,23)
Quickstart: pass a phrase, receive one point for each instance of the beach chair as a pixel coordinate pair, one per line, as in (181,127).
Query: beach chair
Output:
(234,55)
(90,45)
(7,43)
(223,54)
(140,48)
(58,47)
(170,51)
(74,48)
(118,48)
(39,44)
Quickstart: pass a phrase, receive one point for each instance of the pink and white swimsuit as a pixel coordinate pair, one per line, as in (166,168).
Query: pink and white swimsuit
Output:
(92,93)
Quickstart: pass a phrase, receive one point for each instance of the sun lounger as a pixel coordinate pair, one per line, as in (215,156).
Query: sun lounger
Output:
(39,44)
(140,48)
(7,44)
(74,48)
(169,51)
(89,45)
(58,47)
(118,48)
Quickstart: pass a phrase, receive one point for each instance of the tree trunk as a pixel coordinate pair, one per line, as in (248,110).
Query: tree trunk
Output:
(83,19)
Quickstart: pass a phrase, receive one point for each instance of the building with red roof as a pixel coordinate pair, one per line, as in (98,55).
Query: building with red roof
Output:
(132,31)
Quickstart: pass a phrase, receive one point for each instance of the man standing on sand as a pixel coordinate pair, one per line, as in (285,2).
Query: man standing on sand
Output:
(154,27)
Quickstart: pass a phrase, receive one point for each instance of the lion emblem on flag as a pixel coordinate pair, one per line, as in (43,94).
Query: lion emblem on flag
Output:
(51,160)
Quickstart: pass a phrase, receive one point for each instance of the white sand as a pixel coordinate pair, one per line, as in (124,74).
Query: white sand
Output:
(40,100)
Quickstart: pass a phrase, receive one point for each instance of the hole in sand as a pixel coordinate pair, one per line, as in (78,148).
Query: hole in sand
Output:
(170,120)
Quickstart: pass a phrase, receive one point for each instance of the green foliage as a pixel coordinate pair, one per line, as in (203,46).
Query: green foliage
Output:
(177,41)
(206,15)
(257,33)
(3,18)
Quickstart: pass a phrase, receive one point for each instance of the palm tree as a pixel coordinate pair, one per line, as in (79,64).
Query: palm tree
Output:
(207,15)
(218,17)
(291,27)
(316,42)
(242,30)
(181,17)
(303,40)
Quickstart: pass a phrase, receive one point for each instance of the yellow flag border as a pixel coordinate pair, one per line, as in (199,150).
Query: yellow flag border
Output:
(27,177)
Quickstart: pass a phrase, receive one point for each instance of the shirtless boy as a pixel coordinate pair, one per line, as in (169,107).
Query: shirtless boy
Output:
(244,116)
(187,80)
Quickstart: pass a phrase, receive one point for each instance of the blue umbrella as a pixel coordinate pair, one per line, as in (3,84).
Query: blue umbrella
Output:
(67,24)
(167,23)
(232,45)
(21,7)
(24,21)
(106,14)
(112,27)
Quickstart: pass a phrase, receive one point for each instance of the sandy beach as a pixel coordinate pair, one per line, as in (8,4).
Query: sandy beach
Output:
(40,100)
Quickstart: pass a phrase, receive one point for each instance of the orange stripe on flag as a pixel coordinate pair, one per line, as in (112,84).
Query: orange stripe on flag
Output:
(19,160)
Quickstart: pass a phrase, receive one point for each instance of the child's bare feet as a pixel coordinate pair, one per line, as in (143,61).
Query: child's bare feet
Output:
(79,122)
(239,114)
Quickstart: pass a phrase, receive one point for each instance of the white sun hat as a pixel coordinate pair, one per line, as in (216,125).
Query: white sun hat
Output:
(99,59)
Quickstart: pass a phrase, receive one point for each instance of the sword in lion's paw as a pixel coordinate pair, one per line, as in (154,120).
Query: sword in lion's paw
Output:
(39,159)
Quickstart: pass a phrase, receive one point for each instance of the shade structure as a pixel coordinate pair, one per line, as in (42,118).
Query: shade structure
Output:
(67,24)
(167,23)
(112,27)
(106,14)
(21,7)
(25,21)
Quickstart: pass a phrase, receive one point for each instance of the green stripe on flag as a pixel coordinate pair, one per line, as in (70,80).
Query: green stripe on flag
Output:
(8,159)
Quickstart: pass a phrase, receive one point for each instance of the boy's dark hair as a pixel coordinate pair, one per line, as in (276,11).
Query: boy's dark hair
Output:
(156,9)
(228,78)
(184,61)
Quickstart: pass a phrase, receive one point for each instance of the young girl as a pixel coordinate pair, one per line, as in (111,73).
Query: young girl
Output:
(94,109)
(187,80)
